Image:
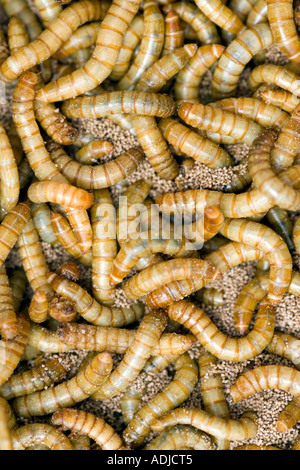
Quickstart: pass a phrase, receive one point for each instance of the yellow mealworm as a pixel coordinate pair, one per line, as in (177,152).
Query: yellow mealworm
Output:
(174,34)
(275,75)
(10,185)
(115,340)
(206,31)
(258,14)
(98,176)
(60,193)
(188,80)
(48,10)
(83,37)
(104,246)
(175,393)
(279,97)
(22,11)
(90,152)
(40,434)
(5,431)
(90,425)
(69,270)
(192,144)
(150,47)
(11,350)
(156,364)
(52,38)
(221,15)
(286,146)
(146,336)
(222,428)
(38,307)
(91,310)
(210,296)
(41,218)
(37,378)
(18,283)
(285,345)
(130,402)
(45,340)
(8,318)
(104,56)
(16,34)
(241,8)
(216,342)
(181,437)
(281,20)
(167,271)
(66,394)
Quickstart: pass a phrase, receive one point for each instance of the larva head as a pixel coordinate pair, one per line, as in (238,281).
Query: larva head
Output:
(184,110)
(214,215)
(61,309)
(191,49)
(69,270)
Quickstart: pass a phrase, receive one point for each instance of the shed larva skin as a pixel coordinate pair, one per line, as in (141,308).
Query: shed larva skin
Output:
(192,144)
(37,378)
(90,152)
(174,34)
(181,437)
(18,283)
(82,38)
(40,434)
(42,221)
(167,271)
(175,393)
(48,10)
(281,98)
(187,81)
(236,56)
(116,102)
(95,177)
(8,318)
(221,15)
(222,428)
(51,39)
(133,361)
(223,122)
(281,20)
(258,14)
(45,340)
(66,394)
(10,185)
(60,193)
(217,343)
(5,432)
(104,246)
(11,350)
(88,424)
(275,75)
(91,310)
(104,56)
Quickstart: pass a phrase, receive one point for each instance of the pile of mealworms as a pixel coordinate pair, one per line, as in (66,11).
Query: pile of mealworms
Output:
(140,65)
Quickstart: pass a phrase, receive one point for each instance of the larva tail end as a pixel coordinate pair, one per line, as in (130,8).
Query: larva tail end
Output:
(184,109)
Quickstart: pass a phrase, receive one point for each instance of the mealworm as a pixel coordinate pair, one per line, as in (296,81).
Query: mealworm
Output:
(187,81)
(279,97)
(99,176)
(80,442)
(10,185)
(16,34)
(156,364)
(82,38)
(210,296)
(286,146)
(206,31)
(90,425)
(205,227)
(221,15)
(174,34)
(167,271)
(48,10)
(45,340)
(181,437)
(192,144)
(90,152)
(116,340)
(18,283)
(66,394)
(60,193)
(216,342)
(41,218)
(273,246)
(91,310)
(130,402)
(104,56)
(5,431)
(22,11)
(280,221)
(131,40)
(241,8)
(258,13)
(285,345)
(274,75)
(52,38)
(40,433)
(11,350)
(104,246)
(146,336)
(175,393)
(8,318)
(37,378)
(222,428)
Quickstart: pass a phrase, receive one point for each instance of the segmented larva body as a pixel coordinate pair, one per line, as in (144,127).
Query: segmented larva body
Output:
(82,38)
(192,144)
(216,342)
(285,345)
(168,271)
(18,283)
(206,227)
(90,152)
(52,38)
(275,75)
(5,431)
(146,336)
(222,428)
(221,15)
(17,35)
(223,122)
(131,40)
(10,185)
(181,437)
(232,254)
(11,350)
(241,8)
(187,81)
(38,308)
(175,393)
(104,56)
(91,310)
(174,34)
(280,221)
(281,98)
(8,318)
(40,434)
(60,193)
(37,378)
(130,402)
(45,340)
(22,11)
(286,146)
(42,221)
(210,296)
(66,394)
(236,56)
(105,248)
(88,424)
(258,14)
(48,10)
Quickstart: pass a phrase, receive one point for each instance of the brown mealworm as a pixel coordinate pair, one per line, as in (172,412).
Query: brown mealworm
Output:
(40,433)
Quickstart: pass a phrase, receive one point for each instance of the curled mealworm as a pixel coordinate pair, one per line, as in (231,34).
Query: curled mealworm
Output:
(90,152)
(42,221)
(60,193)
(83,37)
(175,393)
(10,185)
(67,393)
(8,318)
(181,437)
(275,75)
(90,425)
(40,433)
(174,34)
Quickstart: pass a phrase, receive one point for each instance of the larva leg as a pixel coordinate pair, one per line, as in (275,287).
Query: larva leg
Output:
(181,437)
(221,15)
(66,394)
(90,425)
(18,283)
(42,221)
(175,393)
(40,434)
(5,432)
(90,152)
(174,34)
